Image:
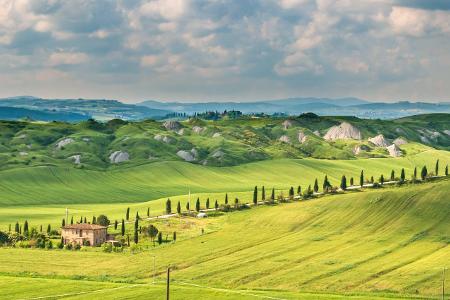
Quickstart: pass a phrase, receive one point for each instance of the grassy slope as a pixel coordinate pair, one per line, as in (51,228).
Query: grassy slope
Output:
(393,240)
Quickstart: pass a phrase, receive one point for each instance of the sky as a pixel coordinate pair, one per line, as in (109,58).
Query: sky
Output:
(239,50)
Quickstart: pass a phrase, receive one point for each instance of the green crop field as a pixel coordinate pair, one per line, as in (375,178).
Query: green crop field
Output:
(384,243)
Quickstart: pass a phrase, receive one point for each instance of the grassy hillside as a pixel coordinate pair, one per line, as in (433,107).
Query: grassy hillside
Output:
(214,143)
(383,243)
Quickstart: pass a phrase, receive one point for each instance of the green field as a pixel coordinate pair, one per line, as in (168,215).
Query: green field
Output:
(387,243)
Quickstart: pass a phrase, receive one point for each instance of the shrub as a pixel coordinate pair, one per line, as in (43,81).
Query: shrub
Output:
(49,245)
(107,247)
(68,246)
(60,245)
(77,247)
(86,243)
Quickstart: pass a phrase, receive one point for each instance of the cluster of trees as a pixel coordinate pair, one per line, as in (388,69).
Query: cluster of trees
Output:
(25,236)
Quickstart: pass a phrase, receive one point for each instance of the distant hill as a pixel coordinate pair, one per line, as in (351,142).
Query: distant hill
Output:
(14,113)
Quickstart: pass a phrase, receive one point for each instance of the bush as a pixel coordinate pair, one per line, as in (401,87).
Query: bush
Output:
(68,246)
(86,243)
(60,245)
(135,249)
(77,247)
(49,245)
(107,247)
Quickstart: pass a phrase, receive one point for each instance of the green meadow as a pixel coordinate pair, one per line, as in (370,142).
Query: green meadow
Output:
(388,243)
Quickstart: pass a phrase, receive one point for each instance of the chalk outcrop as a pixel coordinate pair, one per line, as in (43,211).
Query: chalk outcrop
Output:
(400,141)
(188,156)
(379,141)
(284,139)
(172,125)
(181,131)
(64,142)
(359,148)
(217,135)
(447,132)
(164,138)
(344,131)
(76,159)
(317,133)
(394,150)
(119,156)
(198,129)
(302,137)
(287,124)
(218,154)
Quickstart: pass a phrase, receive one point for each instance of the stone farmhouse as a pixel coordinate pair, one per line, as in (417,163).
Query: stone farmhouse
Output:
(84,234)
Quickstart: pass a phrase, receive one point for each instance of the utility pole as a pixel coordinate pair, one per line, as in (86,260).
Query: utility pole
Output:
(168,284)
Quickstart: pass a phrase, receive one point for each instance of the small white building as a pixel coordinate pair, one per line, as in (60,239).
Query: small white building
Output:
(202,215)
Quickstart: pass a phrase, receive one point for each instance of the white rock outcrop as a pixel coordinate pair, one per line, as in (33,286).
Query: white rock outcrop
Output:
(394,150)
(284,139)
(22,136)
(424,139)
(76,159)
(87,140)
(64,142)
(188,156)
(379,141)
(119,156)
(400,141)
(164,138)
(217,134)
(23,153)
(302,137)
(317,133)
(287,124)
(198,129)
(172,125)
(358,148)
(447,132)
(181,131)
(343,131)
(218,154)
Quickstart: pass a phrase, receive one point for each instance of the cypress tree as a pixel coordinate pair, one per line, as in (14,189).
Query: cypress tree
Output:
(299,190)
(415,173)
(136,235)
(179,208)
(343,183)
(207,203)
(272,197)
(85,220)
(63,222)
(424,173)
(255,195)
(40,228)
(16,227)
(446,170)
(216,205)
(116,224)
(20,229)
(197,205)
(71,220)
(291,192)
(402,175)
(361,178)
(49,228)
(371,179)
(25,228)
(326,184)
(316,186)
(94,220)
(127,215)
(226,198)
(436,168)
(137,216)
(122,229)
(81,220)
(188,208)
(381,179)
(236,202)
(174,238)
(263,194)
(148,211)
(351,181)
(160,240)
(168,207)
(9,228)
(392,175)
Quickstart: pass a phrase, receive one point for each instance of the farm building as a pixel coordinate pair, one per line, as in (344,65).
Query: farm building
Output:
(84,234)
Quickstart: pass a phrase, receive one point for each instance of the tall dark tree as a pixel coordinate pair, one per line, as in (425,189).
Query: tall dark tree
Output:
(103,220)
(174,237)
(207,203)
(160,239)
(255,195)
(402,175)
(351,181)
(316,186)
(197,205)
(168,207)
(81,220)
(424,173)
(381,179)
(63,222)
(137,216)
(436,168)
(226,198)
(415,173)
(40,228)
(116,224)
(9,228)
(127,215)
(136,235)
(49,228)
(94,220)
(371,179)
(361,179)
(343,183)
(122,229)
(392,175)
(71,220)
(179,208)
(85,220)
(272,196)
(291,193)
(216,205)
(446,170)
(16,227)
(326,184)
(188,207)
(148,211)
(25,228)
(263,194)
(299,190)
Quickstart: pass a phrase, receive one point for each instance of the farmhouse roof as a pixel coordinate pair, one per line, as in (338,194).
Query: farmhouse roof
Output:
(84,226)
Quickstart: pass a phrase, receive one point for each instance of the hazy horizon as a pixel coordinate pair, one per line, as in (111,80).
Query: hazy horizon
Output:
(241,51)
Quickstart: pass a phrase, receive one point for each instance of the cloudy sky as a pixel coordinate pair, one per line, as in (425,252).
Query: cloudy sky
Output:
(225,49)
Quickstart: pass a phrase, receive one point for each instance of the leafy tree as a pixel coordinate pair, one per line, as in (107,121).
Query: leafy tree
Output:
(116,224)
(236,202)
(174,238)
(179,208)
(152,232)
(392,175)
(424,173)
(381,179)
(168,207)
(122,229)
(255,195)
(436,168)
(361,178)
(103,220)
(351,181)
(63,223)
(160,239)
(197,205)
(263,194)
(9,228)
(316,186)
(25,228)
(272,197)
(402,175)
(226,198)
(343,183)
(207,203)
(127,215)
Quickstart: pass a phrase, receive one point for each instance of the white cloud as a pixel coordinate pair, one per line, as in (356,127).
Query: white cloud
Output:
(168,9)
(67,58)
